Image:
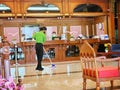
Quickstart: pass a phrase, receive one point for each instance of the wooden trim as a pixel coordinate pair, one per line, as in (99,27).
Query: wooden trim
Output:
(88,14)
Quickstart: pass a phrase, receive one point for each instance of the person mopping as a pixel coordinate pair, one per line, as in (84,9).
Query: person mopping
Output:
(40,38)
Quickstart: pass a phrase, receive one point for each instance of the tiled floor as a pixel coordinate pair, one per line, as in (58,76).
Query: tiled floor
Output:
(64,76)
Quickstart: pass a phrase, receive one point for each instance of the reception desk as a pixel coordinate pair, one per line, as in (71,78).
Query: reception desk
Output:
(58,50)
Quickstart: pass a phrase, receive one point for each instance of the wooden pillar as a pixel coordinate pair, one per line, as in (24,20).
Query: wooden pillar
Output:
(111,22)
(119,28)
(5,48)
(118,14)
(22,9)
(29,51)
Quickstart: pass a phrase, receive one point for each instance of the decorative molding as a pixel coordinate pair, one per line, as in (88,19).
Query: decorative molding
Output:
(18,7)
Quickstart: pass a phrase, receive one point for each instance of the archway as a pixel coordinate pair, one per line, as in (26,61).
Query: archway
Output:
(38,8)
(4,9)
(87,8)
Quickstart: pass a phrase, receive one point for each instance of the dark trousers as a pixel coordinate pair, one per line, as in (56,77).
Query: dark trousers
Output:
(39,53)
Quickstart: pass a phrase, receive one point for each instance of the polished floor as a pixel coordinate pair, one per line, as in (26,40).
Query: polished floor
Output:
(63,76)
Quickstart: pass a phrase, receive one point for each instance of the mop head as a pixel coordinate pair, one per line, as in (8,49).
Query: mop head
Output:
(48,69)
(53,66)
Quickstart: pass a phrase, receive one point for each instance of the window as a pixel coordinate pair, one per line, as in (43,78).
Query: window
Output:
(43,8)
(4,9)
(87,8)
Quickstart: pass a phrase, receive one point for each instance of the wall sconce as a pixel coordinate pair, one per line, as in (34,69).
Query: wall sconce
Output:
(47,11)
(59,17)
(10,18)
(3,11)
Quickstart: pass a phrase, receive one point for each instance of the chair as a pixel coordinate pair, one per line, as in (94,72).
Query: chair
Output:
(92,68)
(115,48)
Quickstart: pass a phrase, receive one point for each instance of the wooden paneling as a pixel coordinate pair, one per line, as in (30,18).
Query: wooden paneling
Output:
(60,47)
(67,18)
(66,6)
(59,23)
(19,9)
(119,28)
(118,14)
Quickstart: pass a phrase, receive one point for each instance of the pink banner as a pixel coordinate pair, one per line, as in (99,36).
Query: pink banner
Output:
(50,30)
(12,33)
(75,31)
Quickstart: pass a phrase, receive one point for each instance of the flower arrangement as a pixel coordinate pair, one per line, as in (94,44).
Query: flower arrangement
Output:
(10,84)
(7,84)
(14,40)
(107,46)
(71,38)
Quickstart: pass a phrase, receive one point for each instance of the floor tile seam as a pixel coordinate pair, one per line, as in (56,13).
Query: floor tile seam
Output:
(58,63)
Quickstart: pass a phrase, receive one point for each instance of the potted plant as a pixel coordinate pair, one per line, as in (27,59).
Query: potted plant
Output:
(14,40)
(72,38)
(107,46)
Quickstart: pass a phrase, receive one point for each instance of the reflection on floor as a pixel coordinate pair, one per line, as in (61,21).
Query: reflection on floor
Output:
(64,76)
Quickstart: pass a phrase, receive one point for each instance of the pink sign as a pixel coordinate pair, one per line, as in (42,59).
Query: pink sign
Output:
(12,33)
(75,31)
(50,30)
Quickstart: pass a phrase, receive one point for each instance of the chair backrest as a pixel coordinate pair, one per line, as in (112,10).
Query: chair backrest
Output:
(88,61)
(115,47)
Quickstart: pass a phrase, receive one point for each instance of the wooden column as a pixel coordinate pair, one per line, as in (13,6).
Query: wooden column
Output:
(111,26)
(119,28)
(118,14)
(29,51)
(5,49)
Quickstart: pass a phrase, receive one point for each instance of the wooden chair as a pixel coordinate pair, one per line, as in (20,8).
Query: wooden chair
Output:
(92,68)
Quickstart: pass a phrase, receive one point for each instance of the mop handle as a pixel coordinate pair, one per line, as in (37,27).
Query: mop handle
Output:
(47,55)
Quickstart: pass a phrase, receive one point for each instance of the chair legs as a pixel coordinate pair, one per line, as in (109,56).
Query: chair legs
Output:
(111,82)
(97,86)
(84,84)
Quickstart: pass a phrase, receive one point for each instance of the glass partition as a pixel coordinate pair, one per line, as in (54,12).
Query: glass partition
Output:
(43,8)
(72,51)
(27,32)
(19,56)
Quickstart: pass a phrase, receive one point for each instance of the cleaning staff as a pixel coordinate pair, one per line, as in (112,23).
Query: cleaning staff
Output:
(40,38)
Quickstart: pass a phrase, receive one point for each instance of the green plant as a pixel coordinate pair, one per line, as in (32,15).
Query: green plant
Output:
(14,39)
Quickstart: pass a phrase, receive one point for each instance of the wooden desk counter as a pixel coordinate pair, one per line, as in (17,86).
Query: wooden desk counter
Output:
(59,47)
(107,54)
(62,42)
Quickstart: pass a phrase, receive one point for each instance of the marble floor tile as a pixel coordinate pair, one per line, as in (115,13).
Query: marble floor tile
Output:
(64,76)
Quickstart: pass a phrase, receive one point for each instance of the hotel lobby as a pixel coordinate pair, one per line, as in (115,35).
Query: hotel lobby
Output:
(69,23)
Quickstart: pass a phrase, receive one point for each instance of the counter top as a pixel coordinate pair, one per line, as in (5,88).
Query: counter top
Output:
(57,42)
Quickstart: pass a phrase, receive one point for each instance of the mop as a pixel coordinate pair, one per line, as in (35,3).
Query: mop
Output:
(52,65)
